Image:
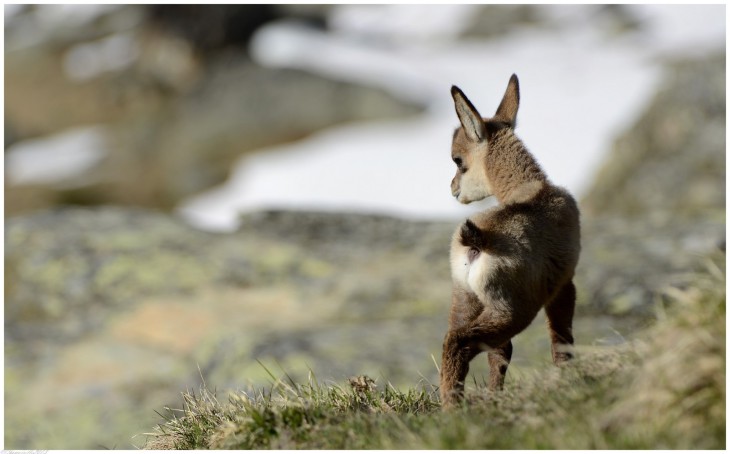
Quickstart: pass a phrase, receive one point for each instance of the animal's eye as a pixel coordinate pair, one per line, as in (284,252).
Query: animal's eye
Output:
(459,165)
(473,254)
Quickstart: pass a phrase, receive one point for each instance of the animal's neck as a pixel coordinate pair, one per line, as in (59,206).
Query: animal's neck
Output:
(513,172)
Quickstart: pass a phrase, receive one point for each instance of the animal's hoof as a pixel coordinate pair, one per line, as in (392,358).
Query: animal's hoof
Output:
(562,358)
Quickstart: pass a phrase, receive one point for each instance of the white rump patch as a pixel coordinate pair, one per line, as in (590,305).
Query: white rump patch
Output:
(460,266)
(472,276)
(478,274)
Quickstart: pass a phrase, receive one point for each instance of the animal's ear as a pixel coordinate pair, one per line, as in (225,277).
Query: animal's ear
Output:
(468,116)
(507,110)
(471,236)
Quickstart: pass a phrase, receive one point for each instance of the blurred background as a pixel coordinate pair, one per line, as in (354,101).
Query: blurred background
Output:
(191,189)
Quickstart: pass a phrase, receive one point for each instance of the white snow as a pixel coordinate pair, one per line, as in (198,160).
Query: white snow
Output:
(62,159)
(91,59)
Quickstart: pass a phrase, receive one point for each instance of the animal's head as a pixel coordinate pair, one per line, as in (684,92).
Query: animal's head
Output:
(472,141)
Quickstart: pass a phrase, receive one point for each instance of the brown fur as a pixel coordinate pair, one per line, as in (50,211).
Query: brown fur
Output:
(509,261)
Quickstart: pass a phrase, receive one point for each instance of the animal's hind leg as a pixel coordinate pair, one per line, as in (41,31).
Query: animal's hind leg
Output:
(454,368)
(499,359)
(560,323)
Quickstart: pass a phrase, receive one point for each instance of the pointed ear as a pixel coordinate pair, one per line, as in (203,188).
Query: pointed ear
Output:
(468,116)
(507,110)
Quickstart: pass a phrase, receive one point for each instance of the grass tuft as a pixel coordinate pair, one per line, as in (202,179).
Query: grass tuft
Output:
(665,390)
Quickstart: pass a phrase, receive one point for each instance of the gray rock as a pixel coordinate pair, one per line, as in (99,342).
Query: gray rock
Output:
(497,20)
(673,159)
(501,20)
(657,207)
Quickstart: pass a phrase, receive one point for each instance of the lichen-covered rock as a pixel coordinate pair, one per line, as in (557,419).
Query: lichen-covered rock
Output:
(67,268)
(115,306)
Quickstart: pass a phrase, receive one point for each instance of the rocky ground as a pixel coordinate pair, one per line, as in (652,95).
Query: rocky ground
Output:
(111,311)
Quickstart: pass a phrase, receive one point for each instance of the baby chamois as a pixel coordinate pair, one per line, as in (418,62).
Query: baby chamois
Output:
(509,261)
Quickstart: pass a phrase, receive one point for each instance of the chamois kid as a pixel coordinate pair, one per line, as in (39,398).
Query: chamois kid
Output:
(508,261)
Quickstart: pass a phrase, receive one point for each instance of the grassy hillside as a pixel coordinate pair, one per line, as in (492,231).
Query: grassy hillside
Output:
(665,390)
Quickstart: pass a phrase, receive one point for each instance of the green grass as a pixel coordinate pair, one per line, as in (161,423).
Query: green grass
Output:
(665,390)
